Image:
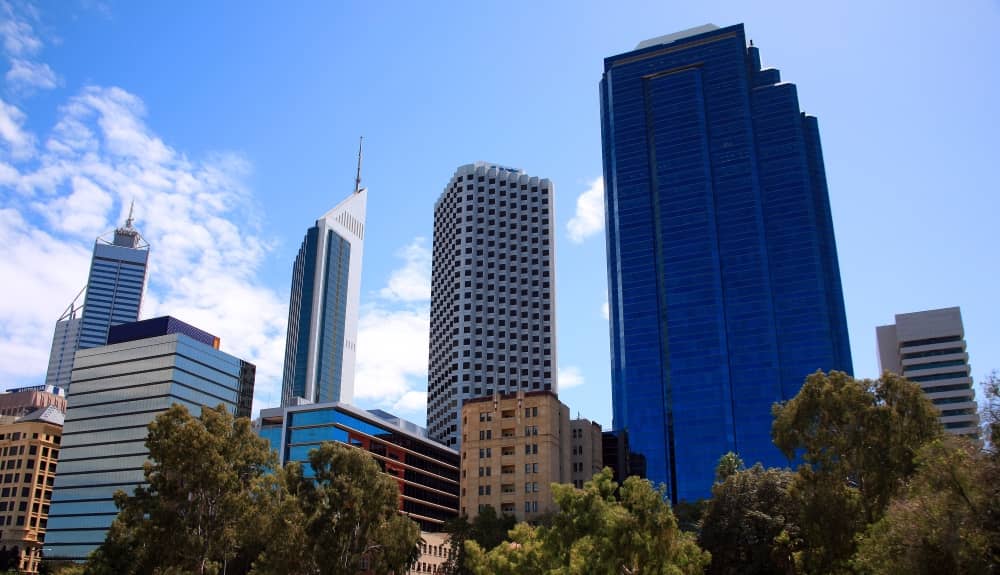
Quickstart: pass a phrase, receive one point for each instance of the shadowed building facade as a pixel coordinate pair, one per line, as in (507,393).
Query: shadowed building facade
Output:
(724,285)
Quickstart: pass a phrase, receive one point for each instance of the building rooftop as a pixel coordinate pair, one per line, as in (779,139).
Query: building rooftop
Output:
(670,38)
(50,414)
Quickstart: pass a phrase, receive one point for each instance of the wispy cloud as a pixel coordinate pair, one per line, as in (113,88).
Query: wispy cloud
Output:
(393,337)
(412,282)
(569,377)
(21,47)
(605,310)
(16,143)
(589,217)
(99,156)
(28,74)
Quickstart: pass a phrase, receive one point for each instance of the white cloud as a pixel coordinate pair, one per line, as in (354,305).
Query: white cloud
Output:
(17,143)
(589,217)
(21,46)
(99,156)
(19,37)
(569,377)
(605,310)
(412,282)
(392,352)
(412,401)
(393,338)
(43,274)
(28,74)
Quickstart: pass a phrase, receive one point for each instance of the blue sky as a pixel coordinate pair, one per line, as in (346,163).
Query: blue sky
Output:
(234,125)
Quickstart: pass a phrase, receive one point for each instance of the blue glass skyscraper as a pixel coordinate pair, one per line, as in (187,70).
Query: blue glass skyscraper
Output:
(724,286)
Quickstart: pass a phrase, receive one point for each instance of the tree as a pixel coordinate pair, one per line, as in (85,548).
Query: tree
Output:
(749,524)
(343,515)
(858,440)
(598,529)
(945,522)
(203,484)
(487,529)
(991,409)
(10,559)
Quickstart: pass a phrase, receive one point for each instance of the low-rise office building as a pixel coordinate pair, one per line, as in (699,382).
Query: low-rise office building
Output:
(116,391)
(426,471)
(29,449)
(586,450)
(928,348)
(513,448)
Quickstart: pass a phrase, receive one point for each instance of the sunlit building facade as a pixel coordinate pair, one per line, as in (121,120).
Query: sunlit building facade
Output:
(117,390)
(493,314)
(425,470)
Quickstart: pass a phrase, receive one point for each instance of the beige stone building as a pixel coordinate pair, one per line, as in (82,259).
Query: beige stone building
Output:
(586,446)
(29,449)
(513,448)
(435,549)
(24,400)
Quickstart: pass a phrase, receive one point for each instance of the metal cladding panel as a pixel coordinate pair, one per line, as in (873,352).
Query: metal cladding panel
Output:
(156,327)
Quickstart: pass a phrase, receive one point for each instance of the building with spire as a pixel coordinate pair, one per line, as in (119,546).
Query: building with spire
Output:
(323,307)
(114,290)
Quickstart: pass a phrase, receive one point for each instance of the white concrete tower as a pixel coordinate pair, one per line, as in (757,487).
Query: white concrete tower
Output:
(322,333)
(928,348)
(493,312)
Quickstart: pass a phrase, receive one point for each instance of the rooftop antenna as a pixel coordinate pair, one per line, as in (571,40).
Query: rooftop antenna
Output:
(357,180)
(131,208)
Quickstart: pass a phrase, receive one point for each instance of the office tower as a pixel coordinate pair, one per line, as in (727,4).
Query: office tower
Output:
(724,286)
(20,401)
(64,344)
(492,292)
(928,348)
(586,450)
(323,308)
(30,445)
(113,296)
(425,470)
(514,448)
(115,284)
(117,390)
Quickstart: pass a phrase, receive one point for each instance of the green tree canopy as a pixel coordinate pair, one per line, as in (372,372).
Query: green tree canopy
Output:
(598,529)
(946,521)
(488,529)
(202,475)
(858,440)
(749,523)
(344,515)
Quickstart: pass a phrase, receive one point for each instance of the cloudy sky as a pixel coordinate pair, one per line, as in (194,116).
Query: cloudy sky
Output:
(233,126)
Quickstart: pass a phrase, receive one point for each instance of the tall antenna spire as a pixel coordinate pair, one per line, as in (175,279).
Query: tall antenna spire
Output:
(131,208)
(357,180)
